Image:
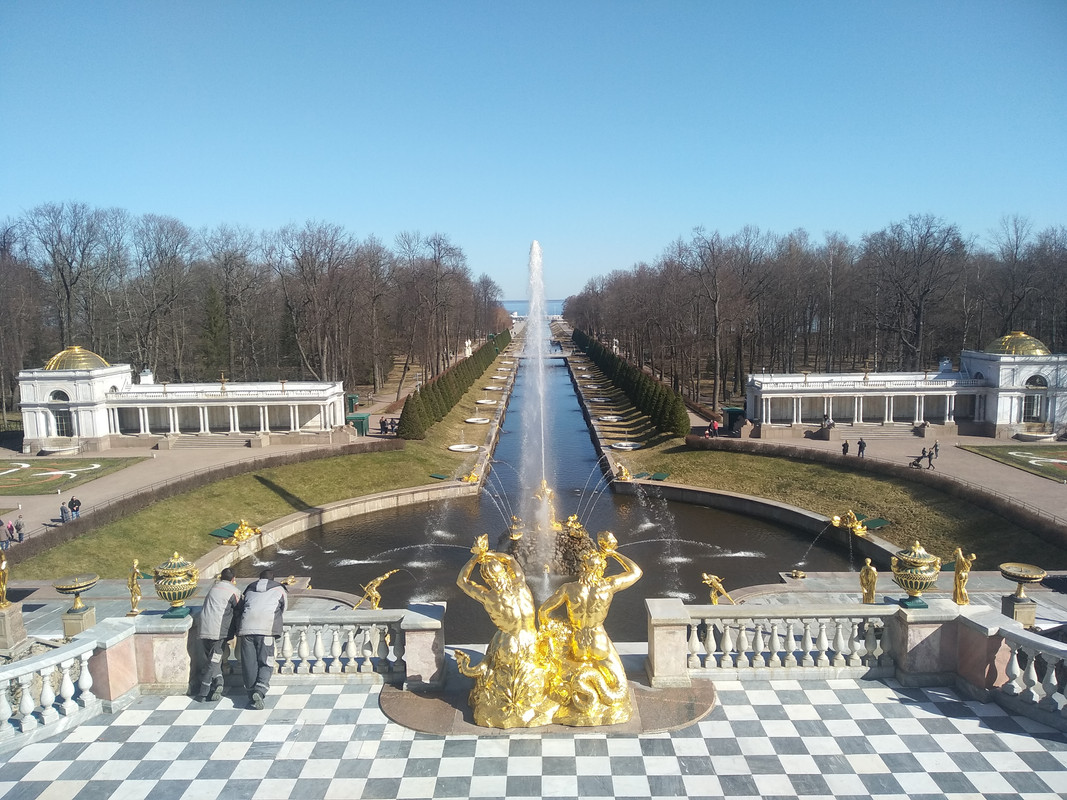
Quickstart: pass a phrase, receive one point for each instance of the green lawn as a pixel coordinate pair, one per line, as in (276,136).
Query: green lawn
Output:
(52,475)
(940,522)
(1047,460)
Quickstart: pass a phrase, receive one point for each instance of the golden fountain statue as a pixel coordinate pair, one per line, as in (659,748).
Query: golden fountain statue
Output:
(623,474)
(850,521)
(370,591)
(511,682)
(869,582)
(243,533)
(717,589)
(135,588)
(4,602)
(590,681)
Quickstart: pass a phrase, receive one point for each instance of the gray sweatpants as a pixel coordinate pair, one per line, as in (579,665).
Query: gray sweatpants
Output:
(212,669)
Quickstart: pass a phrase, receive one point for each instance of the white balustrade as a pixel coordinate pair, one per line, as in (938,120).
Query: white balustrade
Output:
(1035,675)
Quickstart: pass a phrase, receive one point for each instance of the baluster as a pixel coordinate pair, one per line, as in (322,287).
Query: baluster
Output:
(743,644)
(1013,686)
(822,645)
(711,644)
(287,667)
(370,643)
(399,649)
(66,689)
(727,645)
(692,661)
(758,659)
(85,682)
(351,651)
(48,696)
(790,644)
(7,730)
(1054,699)
(335,649)
(855,646)
(775,646)
(1032,692)
(319,652)
(27,721)
(839,642)
(806,645)
(303,652)
(383,649)
(871,644)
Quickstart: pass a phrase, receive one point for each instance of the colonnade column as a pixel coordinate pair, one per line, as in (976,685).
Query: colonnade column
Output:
(234,426)
(172,418)
(294,416)
(203,418)
(920,408)
(142,418)
(888,408)
(323,422)
(263,426)
(950,408)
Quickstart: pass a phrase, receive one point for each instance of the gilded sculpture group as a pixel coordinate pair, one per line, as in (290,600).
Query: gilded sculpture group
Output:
(554,663)
(869,578)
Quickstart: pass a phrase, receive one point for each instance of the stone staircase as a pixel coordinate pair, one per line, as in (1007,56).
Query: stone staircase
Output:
(210,441)
(875,432)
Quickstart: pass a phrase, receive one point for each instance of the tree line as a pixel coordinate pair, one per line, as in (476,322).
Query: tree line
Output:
(714,308)
(309,301)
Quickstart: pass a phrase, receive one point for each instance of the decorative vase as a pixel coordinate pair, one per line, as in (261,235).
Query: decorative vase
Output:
(915,571)
(75,585)
(176,581)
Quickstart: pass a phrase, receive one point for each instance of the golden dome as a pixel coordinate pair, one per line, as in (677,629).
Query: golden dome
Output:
(1017,343)
(76,357)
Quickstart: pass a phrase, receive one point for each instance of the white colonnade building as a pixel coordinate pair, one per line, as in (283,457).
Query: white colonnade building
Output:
(79,402)
(1013,388)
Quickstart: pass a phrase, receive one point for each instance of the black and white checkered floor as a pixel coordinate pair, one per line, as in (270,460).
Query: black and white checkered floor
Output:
(781,739)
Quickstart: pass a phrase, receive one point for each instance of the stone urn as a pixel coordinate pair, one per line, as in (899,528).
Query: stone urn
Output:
(176,581)
(915,571)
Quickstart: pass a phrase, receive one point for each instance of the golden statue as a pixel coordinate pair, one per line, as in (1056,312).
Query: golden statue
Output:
(868,582)
(470,477)
(851,522)
(590,684)
(516,528)
(717,589)
(4,602)
(511,682)
(135,589)
(371,593)
(623,474)
(963,571)
(243,533)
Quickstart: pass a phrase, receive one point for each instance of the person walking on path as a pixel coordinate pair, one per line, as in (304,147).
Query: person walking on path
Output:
(861,447)
(20,529)
(75,506)
(218,624)
(64,513)
(936,448)
(844,447)
(930,459)
(265,600)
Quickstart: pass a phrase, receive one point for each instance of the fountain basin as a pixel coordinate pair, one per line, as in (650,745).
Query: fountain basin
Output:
(463,448)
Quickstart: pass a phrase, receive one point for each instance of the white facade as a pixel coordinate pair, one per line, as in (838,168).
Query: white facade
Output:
(1021,392)
(78,401)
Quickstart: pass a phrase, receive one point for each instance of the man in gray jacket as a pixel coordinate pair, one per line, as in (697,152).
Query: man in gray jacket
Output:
(265,601)
(218,624)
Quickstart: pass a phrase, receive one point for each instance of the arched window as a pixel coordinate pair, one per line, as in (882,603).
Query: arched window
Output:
(59,397)
(1036,382)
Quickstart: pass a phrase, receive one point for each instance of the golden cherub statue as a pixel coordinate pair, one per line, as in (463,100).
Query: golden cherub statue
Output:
(243,533)
(371,593)
(622,474)
(717,589)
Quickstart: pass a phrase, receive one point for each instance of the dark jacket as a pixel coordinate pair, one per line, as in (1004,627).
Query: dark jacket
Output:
(265,601)
(222,607)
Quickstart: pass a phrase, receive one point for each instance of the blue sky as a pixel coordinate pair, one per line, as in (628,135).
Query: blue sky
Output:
(604,130)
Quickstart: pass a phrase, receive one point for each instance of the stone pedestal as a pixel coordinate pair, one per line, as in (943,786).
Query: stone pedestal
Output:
(1020,609)
(74,622)
(12,629)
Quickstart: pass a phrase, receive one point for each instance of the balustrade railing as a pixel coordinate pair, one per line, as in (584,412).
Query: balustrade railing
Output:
(1035,672)
(46,692)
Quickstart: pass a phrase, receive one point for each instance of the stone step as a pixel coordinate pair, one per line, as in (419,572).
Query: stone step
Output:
(197,442)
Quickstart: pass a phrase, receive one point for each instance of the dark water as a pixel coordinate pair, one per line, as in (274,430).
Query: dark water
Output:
(672,542)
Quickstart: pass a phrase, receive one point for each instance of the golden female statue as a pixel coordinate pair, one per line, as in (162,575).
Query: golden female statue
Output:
(4,602)
(591,683)
(959,584)
(717,589)
(868,581)
(510,689)
(135,590)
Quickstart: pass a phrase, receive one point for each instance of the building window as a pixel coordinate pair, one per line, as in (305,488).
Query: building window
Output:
(64,425)
(1036,382)
(1032,408)
(59,397)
